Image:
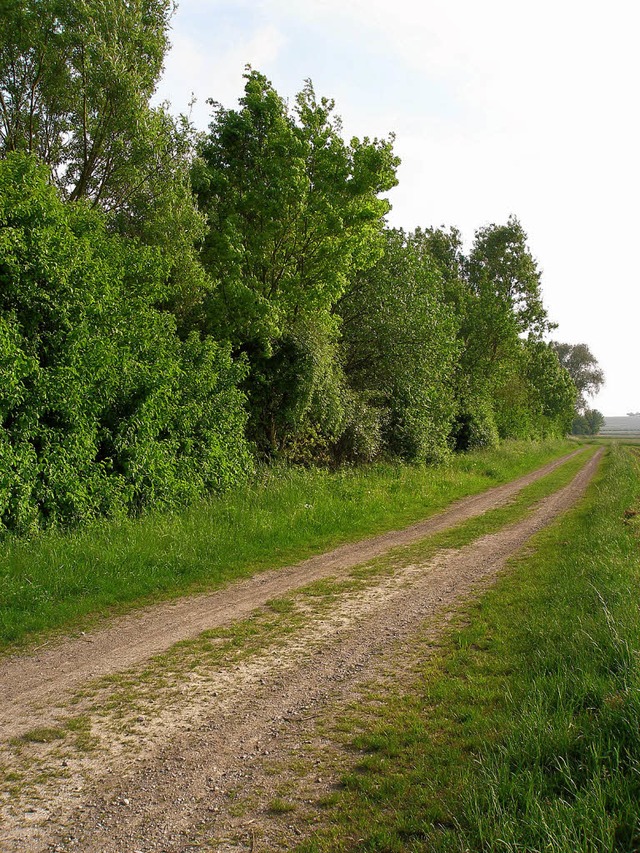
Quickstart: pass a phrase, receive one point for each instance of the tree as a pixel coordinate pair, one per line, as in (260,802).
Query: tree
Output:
(495,292)
(535,398)
(504,282)
(292,209)
(75,82)
(293,213)
(582,366)
(76,78)
(589,422)
(399,348)
(444,248)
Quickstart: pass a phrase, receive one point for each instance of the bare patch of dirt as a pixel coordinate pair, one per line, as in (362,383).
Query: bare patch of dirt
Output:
(189,765)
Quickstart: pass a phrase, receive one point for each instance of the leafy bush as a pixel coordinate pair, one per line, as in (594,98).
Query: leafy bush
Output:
(400,349)
(103,409)
(589,422)
(475,427)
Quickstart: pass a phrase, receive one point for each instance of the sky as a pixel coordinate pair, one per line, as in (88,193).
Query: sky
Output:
(499,107)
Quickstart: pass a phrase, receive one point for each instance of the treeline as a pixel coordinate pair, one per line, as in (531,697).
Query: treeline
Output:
(174,306)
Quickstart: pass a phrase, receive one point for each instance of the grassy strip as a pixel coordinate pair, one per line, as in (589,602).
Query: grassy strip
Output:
(493,520)
(522,733)
(59,580)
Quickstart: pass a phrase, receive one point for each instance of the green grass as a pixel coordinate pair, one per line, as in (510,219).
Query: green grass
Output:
(63,580)
(125,694)
(280,806)
(522,733)
(493,520)
(42,735)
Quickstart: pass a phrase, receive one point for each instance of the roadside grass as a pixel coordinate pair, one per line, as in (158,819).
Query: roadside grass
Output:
(521,732)
(110,709)
(271,625)
(66,580)
(607,440)
(489,522)
(280,806)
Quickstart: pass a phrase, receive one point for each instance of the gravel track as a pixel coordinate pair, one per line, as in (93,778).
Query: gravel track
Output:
(60,667)
(177,789)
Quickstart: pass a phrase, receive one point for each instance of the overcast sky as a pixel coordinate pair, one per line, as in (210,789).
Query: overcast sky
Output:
(527,107)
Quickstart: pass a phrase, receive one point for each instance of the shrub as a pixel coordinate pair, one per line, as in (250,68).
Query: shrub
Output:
(103,409)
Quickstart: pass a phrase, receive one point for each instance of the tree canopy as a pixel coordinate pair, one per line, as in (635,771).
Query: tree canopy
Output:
(174,306)
(583,368)
(294,212)
(103,408)
(76,77)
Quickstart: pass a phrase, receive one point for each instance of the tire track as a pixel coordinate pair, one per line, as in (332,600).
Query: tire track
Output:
(180,796)
(55,672)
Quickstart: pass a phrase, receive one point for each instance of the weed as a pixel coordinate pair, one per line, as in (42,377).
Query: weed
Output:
(280,806)
(43,735)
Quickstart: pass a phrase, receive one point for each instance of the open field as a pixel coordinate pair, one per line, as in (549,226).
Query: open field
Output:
(621,427)
(521,732)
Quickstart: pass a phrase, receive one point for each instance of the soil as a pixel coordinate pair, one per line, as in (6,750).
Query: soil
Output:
(120,741)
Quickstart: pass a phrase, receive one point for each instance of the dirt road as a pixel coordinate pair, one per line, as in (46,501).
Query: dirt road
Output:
(107,748)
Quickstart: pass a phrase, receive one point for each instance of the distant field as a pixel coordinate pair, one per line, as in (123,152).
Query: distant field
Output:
(623,427)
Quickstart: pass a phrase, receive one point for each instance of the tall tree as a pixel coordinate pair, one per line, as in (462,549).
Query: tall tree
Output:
(500,306)
(504,282)
(75,81)
(583,368)
(294,212)
(292,209)
(535,397)
(588,422)
(76,78)
(400,349)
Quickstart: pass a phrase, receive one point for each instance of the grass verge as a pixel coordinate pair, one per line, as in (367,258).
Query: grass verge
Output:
(521,733)
(61,580)
(116,709)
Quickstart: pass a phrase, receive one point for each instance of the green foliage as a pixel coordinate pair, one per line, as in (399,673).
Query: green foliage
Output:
(104,410)
(588,423)
(505,282)
(292,210)
(350,341)
(520,731)
(536,396)
(475,423)
(399,342)
(444,247)
(503,302)
(293,214)
(280,516)
(582,367)
(509,384)
(76,77)
(361,439)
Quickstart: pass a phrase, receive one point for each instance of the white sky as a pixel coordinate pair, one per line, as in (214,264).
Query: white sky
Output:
(499,106)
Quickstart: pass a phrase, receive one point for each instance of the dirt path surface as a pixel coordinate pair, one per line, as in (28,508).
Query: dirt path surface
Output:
(186,751)
(132,639)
